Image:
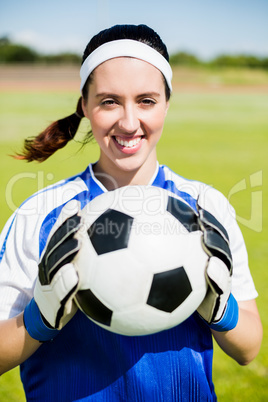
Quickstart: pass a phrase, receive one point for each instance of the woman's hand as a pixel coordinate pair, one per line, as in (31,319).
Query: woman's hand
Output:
(219,308)
(235,326)
(52,306)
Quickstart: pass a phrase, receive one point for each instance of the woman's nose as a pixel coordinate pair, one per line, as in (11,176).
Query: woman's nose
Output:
(129,122)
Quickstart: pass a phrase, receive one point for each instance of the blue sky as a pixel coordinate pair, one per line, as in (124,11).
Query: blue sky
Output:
(203,27)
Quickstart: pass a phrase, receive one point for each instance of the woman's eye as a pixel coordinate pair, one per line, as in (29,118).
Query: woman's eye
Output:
(148,102)
(108,102)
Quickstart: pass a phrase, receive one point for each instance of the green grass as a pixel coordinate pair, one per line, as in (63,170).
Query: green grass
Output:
(216,76)
(220,139)
(11,389)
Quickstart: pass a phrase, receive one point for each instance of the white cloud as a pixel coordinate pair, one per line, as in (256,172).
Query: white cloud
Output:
(48,44)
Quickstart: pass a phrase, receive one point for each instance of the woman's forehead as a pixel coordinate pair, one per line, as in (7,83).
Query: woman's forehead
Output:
(121,69)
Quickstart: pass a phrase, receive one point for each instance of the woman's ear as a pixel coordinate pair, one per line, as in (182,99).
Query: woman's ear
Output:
(84,107)
(167,107)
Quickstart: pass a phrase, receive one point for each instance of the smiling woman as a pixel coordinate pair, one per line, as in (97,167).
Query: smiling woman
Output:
(126,106)
(64,356)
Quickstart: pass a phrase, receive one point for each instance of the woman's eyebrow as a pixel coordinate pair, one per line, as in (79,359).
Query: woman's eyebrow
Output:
(106,94)
(148,94)
(114,95)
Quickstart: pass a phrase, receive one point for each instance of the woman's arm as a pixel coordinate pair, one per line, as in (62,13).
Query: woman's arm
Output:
(244,341)
(16,345)
(52,306)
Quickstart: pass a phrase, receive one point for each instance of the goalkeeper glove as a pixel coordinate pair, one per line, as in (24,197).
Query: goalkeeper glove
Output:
(52,306)
(219,308)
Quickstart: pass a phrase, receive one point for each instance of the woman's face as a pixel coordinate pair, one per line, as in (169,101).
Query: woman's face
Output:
(126,106)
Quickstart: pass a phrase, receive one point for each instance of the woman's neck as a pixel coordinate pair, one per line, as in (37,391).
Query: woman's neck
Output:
(113,178)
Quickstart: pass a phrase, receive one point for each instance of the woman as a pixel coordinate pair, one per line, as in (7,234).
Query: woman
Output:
(125,86)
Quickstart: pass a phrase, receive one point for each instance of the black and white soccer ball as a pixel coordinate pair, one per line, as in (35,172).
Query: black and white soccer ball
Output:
(141,262)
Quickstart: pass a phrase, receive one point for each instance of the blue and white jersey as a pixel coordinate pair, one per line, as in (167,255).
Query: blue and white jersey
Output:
(85,362)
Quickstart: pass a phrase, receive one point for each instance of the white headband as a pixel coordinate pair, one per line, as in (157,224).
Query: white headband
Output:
(125,48)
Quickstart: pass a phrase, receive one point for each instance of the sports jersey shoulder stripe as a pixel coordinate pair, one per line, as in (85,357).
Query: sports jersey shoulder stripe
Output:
(188,190)
(93,189)
(41,201)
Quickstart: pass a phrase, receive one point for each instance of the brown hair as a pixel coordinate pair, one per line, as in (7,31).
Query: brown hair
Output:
(59,133)
(54,137)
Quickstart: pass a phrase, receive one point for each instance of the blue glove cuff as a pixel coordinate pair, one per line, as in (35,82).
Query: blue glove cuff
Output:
(230,317)
(35,325)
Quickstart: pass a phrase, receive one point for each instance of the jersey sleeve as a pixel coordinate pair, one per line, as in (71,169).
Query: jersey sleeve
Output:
(24,238)
(243,287)
(18,261)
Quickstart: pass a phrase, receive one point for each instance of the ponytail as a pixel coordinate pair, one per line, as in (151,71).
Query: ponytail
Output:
(54,137)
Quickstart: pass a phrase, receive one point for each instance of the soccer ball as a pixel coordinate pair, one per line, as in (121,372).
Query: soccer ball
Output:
(141,262)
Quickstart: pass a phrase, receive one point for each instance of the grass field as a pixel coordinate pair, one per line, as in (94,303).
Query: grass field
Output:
(216,131)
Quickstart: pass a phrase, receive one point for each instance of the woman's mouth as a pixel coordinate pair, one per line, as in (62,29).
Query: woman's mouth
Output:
(128,146)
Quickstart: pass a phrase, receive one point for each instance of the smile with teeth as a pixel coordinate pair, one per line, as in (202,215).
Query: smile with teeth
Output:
(128,144)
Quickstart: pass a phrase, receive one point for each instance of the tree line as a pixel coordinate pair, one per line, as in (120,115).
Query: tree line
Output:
(12,53)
